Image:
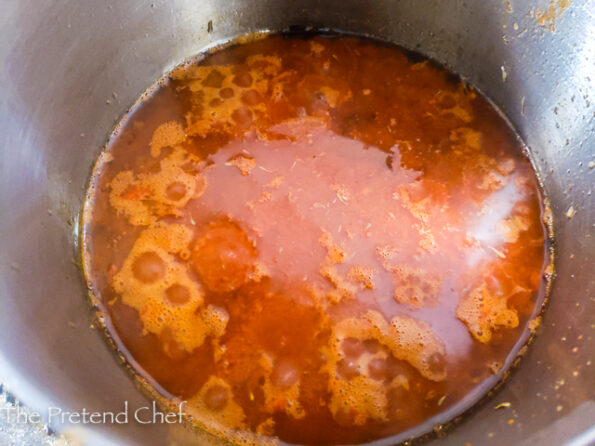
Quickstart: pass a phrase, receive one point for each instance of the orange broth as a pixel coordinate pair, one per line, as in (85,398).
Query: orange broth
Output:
(320,240)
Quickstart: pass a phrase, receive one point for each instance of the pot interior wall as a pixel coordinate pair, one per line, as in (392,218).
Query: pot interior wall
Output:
(70,69)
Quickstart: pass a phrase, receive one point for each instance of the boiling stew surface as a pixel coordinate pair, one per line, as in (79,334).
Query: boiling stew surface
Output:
(320,240)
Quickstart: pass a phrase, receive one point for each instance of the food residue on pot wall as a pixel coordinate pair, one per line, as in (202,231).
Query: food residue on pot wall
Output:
(547,17)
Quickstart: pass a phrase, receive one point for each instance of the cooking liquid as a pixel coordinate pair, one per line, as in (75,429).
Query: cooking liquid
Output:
(315,239)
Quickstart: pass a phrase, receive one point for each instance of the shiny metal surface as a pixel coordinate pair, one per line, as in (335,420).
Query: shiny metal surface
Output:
(69,69)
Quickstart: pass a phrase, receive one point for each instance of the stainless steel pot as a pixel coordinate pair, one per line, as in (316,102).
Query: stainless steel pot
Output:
(69,69)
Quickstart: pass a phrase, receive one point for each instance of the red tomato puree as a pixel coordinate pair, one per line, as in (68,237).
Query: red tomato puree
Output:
(318,240)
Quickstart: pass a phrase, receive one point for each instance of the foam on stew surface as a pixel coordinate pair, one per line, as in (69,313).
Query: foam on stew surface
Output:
(319,240)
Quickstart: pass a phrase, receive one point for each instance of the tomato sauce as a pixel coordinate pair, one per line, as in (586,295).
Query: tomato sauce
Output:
(320,240)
